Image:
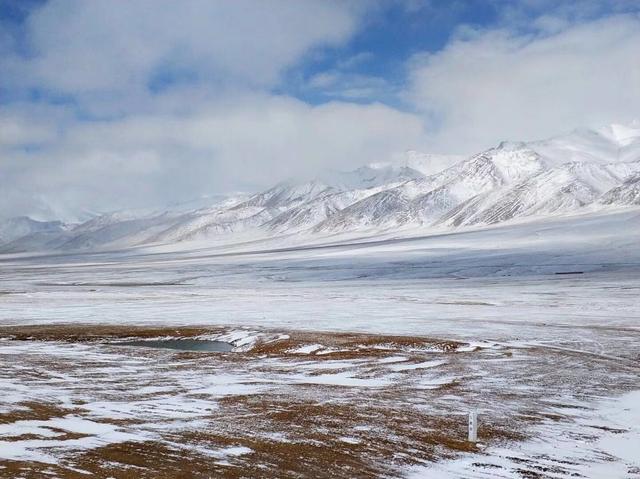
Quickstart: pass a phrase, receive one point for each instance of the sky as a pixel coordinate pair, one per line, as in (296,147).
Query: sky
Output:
(122,104)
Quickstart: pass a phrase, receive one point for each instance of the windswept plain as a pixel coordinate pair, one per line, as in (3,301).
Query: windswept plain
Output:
(352,356)
(317,239)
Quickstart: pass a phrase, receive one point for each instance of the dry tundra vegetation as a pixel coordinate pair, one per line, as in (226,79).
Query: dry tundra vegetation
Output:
(294,404)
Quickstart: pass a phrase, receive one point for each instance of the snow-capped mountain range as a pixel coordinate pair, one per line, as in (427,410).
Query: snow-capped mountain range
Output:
(587,170)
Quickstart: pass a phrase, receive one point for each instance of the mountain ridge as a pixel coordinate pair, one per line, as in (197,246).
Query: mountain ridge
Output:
(564,175)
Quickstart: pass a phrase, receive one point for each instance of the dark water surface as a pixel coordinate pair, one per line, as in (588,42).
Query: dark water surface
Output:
(182,344)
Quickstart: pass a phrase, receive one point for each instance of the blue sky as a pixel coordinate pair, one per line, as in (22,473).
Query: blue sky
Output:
(107,105)
(388,36)
(391,35)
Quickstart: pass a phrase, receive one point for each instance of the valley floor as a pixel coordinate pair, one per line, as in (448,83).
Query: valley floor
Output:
(359,358)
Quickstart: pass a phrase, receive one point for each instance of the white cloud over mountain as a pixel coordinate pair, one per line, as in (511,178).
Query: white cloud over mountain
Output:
(144,102)
(149,160)
(486,86)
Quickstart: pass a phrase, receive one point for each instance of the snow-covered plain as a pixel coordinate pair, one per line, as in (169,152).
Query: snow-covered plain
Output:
(546,311)
(368,311)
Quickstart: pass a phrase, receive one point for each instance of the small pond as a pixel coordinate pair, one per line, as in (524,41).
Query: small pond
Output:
(181,344)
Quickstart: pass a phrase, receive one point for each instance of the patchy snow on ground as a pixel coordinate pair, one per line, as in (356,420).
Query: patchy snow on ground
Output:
(546,315)
(612,453)
(308,349)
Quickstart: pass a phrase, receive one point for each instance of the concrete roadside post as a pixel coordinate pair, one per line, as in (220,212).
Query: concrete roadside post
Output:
(473,426)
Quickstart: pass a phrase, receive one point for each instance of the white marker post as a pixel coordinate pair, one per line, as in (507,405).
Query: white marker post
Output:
(473,426)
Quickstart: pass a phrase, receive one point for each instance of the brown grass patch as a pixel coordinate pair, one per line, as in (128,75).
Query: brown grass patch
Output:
(295,430)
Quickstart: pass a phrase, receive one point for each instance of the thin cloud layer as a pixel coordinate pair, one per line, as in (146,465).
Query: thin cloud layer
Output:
(152,160)
(493,85)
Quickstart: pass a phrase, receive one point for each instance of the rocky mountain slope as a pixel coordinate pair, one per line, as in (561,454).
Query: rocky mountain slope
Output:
(587,170)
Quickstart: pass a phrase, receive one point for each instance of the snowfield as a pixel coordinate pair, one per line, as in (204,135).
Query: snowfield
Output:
(361,355)
(363,315)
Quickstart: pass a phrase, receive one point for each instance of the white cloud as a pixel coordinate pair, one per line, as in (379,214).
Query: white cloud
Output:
(220,129)
(150,160)
(223,128)
(20,131)
(495,85)
(337,84)
(78,47)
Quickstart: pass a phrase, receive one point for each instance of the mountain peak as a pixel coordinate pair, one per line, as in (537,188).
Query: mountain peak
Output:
(511,145)
(622,134)
(513,180)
